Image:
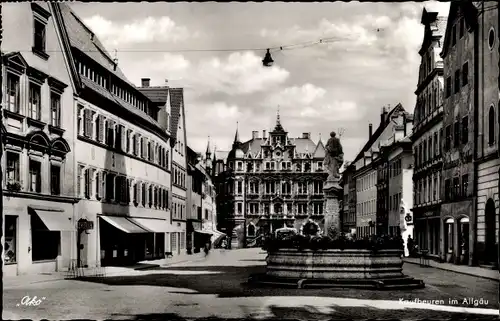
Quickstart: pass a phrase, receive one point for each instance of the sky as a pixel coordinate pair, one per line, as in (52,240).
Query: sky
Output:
(369,60)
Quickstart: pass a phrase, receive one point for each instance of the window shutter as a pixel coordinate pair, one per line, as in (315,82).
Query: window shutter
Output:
(100,133)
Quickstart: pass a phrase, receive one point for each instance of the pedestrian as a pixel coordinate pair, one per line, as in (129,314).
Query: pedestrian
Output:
(410,246)
(207,248)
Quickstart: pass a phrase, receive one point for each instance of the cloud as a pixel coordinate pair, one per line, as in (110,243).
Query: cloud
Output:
(148,30)
(236,74)
(296,96)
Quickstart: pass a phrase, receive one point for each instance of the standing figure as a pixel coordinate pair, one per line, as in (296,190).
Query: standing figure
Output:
(334,157)
(409,245)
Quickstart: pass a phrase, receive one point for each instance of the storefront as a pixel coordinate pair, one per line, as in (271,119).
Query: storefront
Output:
(458,234)
(128,240)
(39,236)
(427,232)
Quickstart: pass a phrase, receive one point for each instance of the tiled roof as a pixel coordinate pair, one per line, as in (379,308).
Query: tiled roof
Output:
(176,101)
(302,145)
(102,91)
(82,38)
(157,95)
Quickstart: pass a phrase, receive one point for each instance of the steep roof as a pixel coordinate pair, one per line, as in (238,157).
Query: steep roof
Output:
(176,102)
(469,11)
(83,39)
(320,151)
(157,95)
(221,155)
(379,131)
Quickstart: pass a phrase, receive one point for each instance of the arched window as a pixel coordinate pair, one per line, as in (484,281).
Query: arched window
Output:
(491,126)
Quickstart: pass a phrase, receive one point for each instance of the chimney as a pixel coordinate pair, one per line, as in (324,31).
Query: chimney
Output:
(264,134)
(370,131)
(383,116)
(255,134)
(404,124)
(145,82)
(306,135)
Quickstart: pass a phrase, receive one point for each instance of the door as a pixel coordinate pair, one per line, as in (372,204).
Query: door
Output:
(490,227)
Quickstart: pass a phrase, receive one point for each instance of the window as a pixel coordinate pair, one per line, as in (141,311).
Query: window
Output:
(456,188)
(99,124)
(35,177)
(127,141)
(318,187)
(462,27)
(34,101)
(434,189)
(13,93)
(110,187)
(456,134)
(318,208)
(143,194)
(454,35)
(55,179)
(302,208)
(109,133)
(491,126)
(270,187)
(436,145)
(10,244)
(491,38)
(134,145)
(465,130)
(448,87)
(39,35)
(457,81)
(286,188)
(465,184)
(12,168)
(239,187)
(465,74)
(447,190)
(239,208)
(55,109)
(302,187)
(439,141)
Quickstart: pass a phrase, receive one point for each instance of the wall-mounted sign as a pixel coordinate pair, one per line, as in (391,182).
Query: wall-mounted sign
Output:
(84,224)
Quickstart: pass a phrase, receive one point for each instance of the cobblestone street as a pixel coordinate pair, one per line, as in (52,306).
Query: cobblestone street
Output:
(212,286)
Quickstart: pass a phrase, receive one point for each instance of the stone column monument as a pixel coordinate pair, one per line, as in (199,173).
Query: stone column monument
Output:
(332,189)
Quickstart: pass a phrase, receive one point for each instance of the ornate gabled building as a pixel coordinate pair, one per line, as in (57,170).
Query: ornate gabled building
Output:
(268,182)
(427,134)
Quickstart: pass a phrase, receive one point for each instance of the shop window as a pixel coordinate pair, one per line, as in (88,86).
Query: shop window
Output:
(46,244)
(55,179)
(10,244)
(35,177)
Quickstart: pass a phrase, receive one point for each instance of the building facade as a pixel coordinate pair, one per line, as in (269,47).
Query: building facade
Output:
(488,137)
(196,238)
(426,137)
(458,208)
(268,182)
(38,142)
(179,170)
(395,125)
(122,157)
(349,202)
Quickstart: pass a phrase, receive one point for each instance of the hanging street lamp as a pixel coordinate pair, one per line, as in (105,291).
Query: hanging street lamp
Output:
(268,60)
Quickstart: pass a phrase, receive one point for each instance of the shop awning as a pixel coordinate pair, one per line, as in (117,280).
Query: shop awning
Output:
(125,224)
(217,234)
(207,232)
(154,225)
(55,221)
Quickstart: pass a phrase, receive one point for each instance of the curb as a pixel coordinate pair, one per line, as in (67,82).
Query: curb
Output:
(459,272)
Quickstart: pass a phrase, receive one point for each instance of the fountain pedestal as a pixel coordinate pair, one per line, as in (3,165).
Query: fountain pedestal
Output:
(333,193)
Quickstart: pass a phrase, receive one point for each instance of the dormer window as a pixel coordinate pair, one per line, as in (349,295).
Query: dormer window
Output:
(319,166)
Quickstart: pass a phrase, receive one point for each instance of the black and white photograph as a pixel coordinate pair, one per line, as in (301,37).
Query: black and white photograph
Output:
(250,160)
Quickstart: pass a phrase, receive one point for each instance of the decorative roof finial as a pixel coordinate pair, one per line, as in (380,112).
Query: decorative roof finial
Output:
(237,135)
(208,152)
(278,116)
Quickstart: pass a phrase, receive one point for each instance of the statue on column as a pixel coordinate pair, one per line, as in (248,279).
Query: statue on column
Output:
(334,157)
